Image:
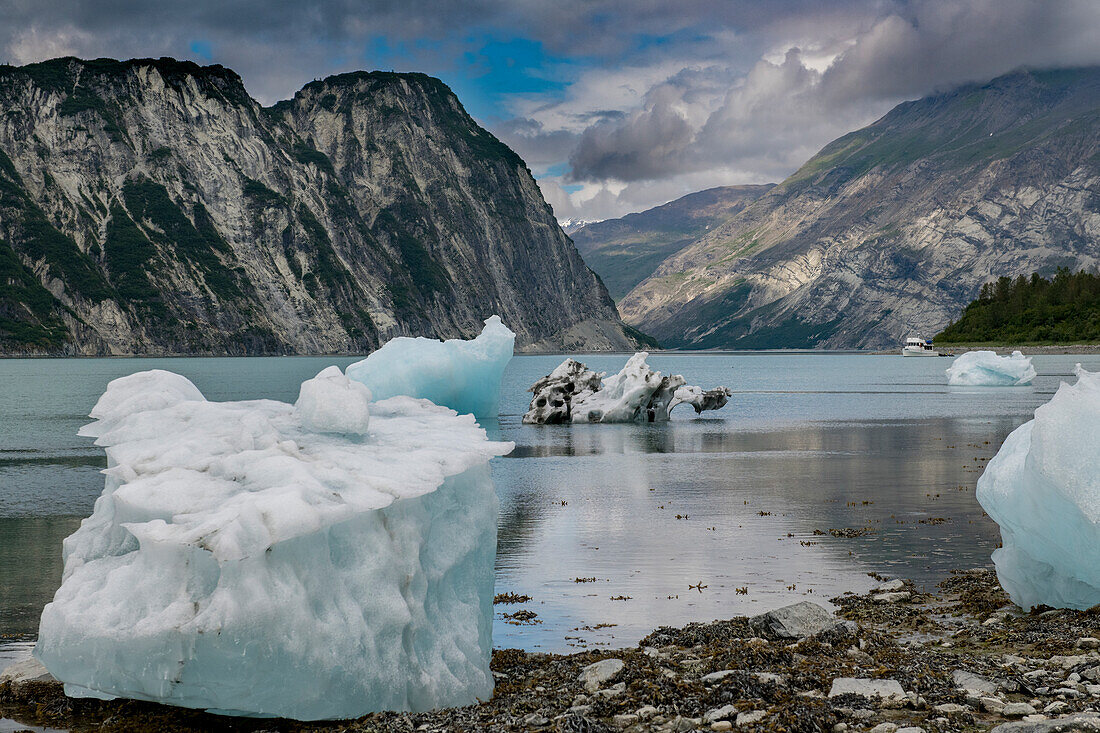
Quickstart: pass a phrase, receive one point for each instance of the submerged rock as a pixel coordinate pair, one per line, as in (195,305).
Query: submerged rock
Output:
(575,393)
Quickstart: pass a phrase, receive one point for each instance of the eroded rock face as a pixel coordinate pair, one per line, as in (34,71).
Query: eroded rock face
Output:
(895,227)
(575,393)
(154,207)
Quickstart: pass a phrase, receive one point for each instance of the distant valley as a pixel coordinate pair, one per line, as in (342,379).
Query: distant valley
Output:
(889,230)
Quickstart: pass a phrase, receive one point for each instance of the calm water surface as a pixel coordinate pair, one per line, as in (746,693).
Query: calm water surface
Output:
(734,501)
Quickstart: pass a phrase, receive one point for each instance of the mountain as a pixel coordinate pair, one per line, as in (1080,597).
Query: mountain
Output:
(625,251)
(153,207)
(893,229)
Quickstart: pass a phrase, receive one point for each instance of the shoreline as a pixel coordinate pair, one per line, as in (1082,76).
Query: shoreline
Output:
(961,659)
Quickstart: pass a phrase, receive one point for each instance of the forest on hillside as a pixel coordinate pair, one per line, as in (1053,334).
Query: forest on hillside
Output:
(1063,309)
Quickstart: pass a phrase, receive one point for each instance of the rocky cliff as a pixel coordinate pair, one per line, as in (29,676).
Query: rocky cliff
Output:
(892,229)
(154,207)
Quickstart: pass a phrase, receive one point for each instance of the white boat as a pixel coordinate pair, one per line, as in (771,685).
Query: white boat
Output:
(916,346)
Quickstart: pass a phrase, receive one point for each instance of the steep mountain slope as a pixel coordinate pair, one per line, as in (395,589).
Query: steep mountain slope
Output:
(152,206)
(625,251)
(893,228)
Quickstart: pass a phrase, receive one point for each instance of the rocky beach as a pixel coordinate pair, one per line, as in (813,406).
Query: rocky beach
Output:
(892,660)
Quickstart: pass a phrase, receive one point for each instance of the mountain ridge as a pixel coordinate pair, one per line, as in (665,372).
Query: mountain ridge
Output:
(893,228)
(162,210)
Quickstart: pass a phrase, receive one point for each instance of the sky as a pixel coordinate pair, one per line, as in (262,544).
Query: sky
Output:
(616,105)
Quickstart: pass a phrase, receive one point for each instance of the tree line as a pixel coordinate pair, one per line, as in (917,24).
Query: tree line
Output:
(1063,309)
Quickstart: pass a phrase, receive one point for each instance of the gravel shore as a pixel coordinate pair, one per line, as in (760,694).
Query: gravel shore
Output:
(892,660)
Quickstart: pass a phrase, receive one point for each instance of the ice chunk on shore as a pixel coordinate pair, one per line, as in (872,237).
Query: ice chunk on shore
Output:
(987,369)
(575,393)
(462,375)
(261,558)
(1043,489)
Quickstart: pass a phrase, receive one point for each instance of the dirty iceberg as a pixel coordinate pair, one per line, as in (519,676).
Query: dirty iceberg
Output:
(987,369)
(462,375)
(1043,489)
(575,393)
(313,561)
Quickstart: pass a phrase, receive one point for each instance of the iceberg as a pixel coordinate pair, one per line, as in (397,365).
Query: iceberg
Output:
(1043,489)
(319,560)
(575,393)
(987,369)
(462,375)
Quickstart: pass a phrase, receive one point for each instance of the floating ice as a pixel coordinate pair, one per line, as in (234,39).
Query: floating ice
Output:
(1043,489)
(575,393)
(986,369)
(261,558)
(462,375)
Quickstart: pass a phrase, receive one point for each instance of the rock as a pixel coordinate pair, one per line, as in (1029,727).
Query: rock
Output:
(722,713)
(716,677)
(951,708)
(892,597)
(1088,642)
(613,691)
(885,728)
(1079,722)
(647,712)
(796,621)
(1017,710)
(840,727)
(721,725)
(597,673)
(890,586)
(993,704)
(625,721)
(680,724)
(752,716)
(776,679)
(1056,707)
(27,670)
(911,729)
(866,688)
(973,682)
(534,720)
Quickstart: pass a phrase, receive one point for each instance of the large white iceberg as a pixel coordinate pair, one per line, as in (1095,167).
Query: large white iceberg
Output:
(314,561)
(575,393)
(987,369)
(462,375)
(1043,489)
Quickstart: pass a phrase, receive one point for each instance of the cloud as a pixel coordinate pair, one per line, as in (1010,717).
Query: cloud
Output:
(616,107)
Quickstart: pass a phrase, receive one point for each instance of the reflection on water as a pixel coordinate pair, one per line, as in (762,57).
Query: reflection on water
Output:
(737,502)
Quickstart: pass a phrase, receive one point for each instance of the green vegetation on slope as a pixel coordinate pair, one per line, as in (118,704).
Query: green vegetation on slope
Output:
(28,312)
(1064,309)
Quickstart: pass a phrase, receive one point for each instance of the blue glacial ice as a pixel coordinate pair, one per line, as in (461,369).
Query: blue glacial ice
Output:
(315,561)
(1043,489)
(987,369)
(462,375)
(575,393)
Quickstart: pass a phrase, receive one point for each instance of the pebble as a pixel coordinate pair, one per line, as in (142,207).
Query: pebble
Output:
(866,687)
(722,713)
(715,677)
(893,597)
(752,716)
(1017,710)
(721,725)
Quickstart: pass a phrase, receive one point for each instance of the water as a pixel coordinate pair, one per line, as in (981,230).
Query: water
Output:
(731,502)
